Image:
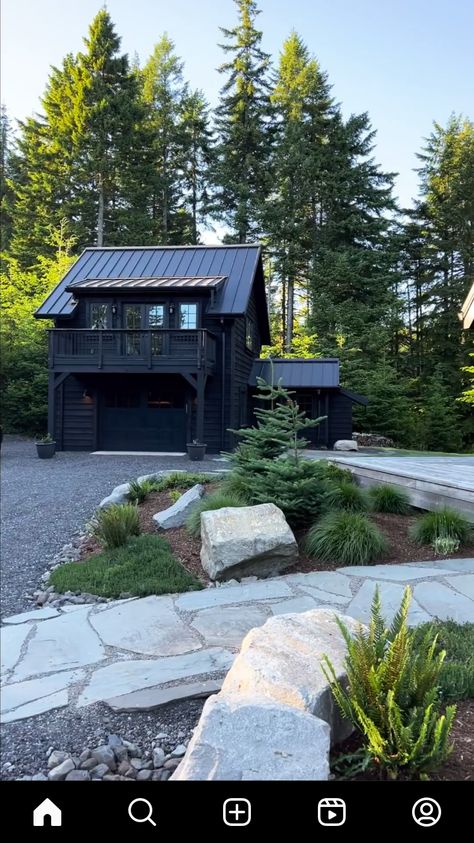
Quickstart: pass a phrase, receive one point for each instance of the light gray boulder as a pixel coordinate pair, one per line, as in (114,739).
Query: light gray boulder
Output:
(346,445)
(117,496)
(176,515)
(238,541)
(281,661)
(245,740)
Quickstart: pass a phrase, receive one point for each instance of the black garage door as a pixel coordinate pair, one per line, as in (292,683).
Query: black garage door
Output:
(143,420)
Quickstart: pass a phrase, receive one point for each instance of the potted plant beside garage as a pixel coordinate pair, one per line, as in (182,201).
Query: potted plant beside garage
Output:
(45,447)
(196,450)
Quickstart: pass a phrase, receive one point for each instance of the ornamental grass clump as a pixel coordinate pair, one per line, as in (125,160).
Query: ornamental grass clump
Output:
(349,538)
(389,499)
(114,526)
(443,523)
(345,495)
(216,501)
(392,696)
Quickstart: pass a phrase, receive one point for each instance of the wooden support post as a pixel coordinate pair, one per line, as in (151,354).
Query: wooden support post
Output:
(51,397)
(201,387)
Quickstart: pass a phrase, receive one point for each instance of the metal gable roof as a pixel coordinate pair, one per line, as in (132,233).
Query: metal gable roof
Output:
(238,263)
(310,374)
(204,282)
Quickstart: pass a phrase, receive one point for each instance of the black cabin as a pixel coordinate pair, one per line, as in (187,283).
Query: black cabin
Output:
(154,347)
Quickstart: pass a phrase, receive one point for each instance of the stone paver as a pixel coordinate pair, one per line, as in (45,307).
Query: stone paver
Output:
(195,636)
(124,677)
(228,626)
(390,595)
(464,584)
(443,603)
(11,641)
(23,699)
(227,594)
(36,615)
(59,644)
(149,626)
(151,698)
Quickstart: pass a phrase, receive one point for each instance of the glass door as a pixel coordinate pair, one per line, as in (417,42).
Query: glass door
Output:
(133,320)
(155,318)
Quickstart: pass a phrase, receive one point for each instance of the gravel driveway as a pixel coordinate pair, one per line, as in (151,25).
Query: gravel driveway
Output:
(45,502)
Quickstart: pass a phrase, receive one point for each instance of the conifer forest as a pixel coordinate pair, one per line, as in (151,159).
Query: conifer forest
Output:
(129,153)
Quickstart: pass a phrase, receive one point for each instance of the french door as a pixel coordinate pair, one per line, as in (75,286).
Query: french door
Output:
(141,317)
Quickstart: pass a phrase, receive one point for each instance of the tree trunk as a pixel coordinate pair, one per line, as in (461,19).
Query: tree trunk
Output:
(100,215)
(290,295)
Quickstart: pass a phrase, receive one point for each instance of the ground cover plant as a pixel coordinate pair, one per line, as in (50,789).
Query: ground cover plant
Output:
(145,565)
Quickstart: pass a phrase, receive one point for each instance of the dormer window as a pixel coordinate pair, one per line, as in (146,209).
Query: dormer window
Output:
(188,316)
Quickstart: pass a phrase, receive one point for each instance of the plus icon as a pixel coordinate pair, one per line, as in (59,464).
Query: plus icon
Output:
(237,811)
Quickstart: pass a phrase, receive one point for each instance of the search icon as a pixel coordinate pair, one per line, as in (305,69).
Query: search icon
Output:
(147,818)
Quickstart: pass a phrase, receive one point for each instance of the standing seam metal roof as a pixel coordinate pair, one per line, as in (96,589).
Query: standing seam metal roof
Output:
(205,282)
(311,374)
(238,263)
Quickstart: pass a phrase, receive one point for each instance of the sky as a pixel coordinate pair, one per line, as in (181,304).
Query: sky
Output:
(405,62)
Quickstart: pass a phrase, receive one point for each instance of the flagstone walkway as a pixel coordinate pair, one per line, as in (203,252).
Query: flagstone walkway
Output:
(136,654)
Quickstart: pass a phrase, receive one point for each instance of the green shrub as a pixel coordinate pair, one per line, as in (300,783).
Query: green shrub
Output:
(216,501)
(145,565)
(444,545)
(139,491)
(456,679)
(389,499)
(344,495)
(294,485)
(175,495)
(441,524)
(114,526)
(349,538)
(337,474)
(392,695)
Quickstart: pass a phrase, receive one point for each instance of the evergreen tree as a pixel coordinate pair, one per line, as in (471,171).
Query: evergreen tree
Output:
(197,141)
(6,194)
(242,151)
(303,111)
(165,94)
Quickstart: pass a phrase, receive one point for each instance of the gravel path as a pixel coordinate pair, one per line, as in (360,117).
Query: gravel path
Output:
(45,502)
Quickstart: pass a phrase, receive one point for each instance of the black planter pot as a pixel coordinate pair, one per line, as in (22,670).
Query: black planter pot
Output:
(46,450)
(196,451)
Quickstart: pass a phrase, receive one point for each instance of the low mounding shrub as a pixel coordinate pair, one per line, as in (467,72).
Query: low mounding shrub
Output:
(216,501)
(139,491)
(392,695)
(444,545)
(114,526)
(182,480)
(456,680)
(345,495)
(444,523)
(336,474)
(145,565)
(389,499)
(349,538)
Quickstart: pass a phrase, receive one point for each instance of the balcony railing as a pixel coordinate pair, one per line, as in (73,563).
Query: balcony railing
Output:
(119,348)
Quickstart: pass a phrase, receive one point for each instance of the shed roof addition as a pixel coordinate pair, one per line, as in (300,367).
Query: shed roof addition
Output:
(320,372)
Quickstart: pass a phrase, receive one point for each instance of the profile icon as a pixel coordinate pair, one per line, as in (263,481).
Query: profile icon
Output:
(426,812)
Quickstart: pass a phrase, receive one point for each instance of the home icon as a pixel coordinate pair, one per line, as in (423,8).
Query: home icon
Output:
(49,810)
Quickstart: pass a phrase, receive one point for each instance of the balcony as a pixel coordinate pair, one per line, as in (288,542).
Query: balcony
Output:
(122,350)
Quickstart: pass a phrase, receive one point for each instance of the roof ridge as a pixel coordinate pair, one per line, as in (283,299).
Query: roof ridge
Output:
(183,246)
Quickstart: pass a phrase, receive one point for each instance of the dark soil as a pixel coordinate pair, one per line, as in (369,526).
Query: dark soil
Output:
(460,764)
(187,549)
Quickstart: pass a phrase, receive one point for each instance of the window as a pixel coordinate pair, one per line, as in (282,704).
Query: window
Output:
(188,316)
(156,320)
(250,334)
(99,316)
(122,398)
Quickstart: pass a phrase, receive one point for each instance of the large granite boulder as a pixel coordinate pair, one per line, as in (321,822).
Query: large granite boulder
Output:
(260,740)
(176,515)
(346,445)
(244,540)
(281,661)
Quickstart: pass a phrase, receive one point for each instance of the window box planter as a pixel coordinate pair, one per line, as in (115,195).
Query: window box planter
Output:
(196,450)
(45,450)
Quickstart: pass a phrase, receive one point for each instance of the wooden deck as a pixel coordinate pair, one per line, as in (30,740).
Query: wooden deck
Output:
(431,482)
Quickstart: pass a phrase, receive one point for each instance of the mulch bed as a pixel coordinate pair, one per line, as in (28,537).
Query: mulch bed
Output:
(187,549)
(460,764)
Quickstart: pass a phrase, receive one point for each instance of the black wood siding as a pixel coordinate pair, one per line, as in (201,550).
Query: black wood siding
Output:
(340,418)
(74,416)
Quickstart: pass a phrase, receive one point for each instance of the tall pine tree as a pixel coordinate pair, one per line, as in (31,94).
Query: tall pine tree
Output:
(242,151)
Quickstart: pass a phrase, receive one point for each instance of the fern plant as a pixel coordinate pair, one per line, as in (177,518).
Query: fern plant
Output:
(138,491)
(392,695)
